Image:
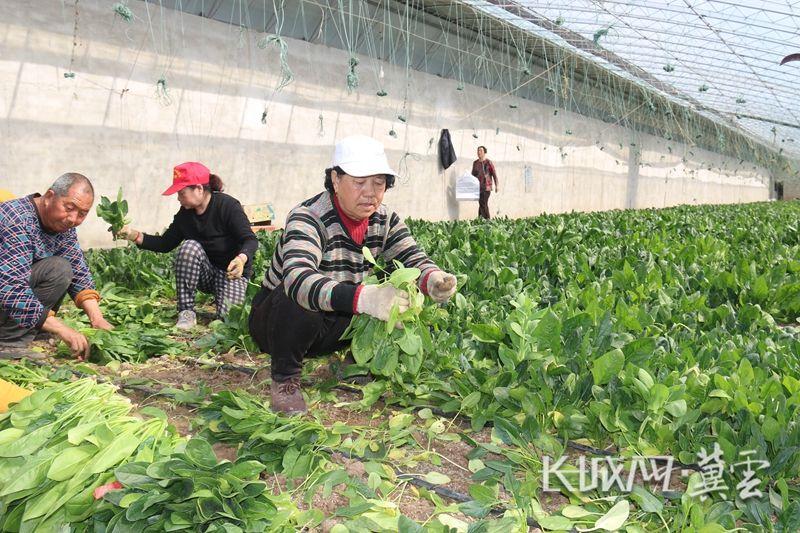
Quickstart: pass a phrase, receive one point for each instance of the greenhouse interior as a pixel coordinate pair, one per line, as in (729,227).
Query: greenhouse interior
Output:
(447,266)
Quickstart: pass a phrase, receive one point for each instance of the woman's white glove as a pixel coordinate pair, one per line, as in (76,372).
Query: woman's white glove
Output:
(129,234)
(378,301)
(441,286)
(236,267)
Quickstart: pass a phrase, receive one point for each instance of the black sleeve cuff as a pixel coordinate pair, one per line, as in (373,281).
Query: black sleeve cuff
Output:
(249,248)
(342,297)
(147,242)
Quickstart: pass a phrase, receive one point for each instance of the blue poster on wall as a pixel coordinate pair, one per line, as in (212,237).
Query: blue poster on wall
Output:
(527,176)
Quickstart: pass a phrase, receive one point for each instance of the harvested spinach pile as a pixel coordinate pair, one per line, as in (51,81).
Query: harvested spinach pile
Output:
(142,328)
(133,343)
(190,490)
(59,444)
(26,374)
(282,444)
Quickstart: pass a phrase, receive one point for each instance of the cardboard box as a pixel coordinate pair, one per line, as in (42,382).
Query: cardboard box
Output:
(259,214)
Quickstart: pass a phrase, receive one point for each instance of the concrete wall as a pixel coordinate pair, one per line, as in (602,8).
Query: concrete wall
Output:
(791,190)
(112,123)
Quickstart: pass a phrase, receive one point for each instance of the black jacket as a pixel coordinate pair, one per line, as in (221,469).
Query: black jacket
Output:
(222,230)
(446,151)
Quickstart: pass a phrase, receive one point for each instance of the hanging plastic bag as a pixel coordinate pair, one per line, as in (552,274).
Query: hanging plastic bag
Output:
(467,188)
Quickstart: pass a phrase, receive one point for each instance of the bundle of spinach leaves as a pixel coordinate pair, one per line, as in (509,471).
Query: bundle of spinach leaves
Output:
(191,490)
(62,442)
(114,213)
(381,347)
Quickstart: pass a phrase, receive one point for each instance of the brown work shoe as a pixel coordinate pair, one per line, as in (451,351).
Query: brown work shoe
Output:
(287,397)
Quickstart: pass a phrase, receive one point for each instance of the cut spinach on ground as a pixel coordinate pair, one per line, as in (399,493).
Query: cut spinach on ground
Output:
(191,490)
(62,442)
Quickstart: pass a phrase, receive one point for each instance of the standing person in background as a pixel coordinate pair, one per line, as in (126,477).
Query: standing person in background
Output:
(483,169)
(217,244)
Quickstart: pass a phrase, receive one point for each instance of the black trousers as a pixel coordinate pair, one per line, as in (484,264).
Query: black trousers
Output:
(483,204)
(289,333)
(50,279)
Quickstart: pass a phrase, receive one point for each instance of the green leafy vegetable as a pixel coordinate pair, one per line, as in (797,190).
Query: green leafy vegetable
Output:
(114,213)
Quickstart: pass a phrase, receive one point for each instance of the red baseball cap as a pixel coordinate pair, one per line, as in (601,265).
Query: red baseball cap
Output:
(187,174)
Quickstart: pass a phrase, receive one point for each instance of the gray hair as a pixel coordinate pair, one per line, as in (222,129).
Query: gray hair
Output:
(67,181)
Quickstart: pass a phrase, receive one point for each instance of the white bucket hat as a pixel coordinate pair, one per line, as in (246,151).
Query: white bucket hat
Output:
(359,155)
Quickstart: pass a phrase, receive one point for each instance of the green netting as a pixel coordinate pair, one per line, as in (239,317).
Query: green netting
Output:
(455,40)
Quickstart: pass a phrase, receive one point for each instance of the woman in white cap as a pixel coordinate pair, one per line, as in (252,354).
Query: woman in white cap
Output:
(313,285)
(216,242)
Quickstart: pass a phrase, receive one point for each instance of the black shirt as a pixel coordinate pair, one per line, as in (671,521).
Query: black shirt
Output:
(222,230)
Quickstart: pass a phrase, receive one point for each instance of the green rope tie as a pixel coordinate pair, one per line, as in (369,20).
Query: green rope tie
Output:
(599,34)
(352,75)
(123,11)
(287,76)
(162,92)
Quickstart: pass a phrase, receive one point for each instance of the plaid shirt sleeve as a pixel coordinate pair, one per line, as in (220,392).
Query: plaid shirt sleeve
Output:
(16,258)
(82,277)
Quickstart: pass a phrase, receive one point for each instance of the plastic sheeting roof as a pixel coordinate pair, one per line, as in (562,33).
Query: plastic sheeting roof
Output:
(721,58)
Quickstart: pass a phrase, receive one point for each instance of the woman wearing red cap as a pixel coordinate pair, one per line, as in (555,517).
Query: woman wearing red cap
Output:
(314,284)
(216,242)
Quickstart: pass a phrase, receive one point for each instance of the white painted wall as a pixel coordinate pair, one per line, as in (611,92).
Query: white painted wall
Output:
(109,123)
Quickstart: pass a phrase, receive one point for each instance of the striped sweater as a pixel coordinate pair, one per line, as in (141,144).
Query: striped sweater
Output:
(320,266)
